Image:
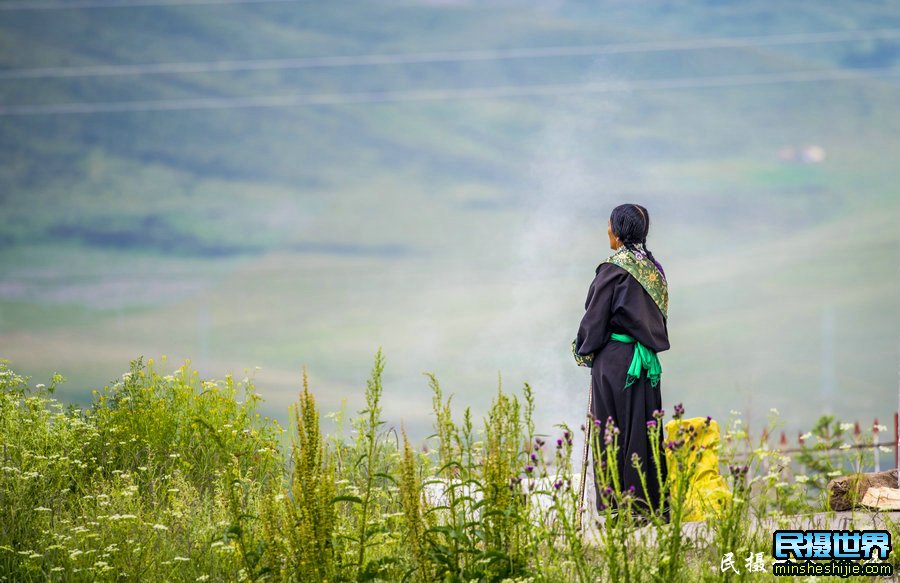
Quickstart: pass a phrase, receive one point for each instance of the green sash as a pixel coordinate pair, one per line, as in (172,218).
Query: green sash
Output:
(643,358)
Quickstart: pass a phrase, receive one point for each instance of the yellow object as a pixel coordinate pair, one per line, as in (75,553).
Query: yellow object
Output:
(708,494)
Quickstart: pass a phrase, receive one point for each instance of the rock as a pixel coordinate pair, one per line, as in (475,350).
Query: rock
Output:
(846,492)
(882,498)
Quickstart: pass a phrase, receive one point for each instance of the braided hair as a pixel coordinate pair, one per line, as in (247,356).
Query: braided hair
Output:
(631,224)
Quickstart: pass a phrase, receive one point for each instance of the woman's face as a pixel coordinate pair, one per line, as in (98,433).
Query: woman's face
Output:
(614,242)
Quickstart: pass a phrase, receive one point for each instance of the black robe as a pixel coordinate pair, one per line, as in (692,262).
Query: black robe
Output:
(617,302)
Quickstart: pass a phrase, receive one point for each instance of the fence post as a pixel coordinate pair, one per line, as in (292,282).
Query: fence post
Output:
(896,448)
(877,446)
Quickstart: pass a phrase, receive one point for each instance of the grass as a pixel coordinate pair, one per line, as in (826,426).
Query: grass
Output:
(167,476)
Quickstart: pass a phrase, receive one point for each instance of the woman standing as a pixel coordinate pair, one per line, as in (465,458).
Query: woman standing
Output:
(623,328)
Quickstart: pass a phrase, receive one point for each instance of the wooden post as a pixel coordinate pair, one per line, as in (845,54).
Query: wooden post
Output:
(877,447)
(896,448)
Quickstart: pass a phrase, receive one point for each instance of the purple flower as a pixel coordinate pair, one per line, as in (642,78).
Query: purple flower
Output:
(651,423)
(658,414)
(529,469)
(679,411)
(533,457)
(558,443)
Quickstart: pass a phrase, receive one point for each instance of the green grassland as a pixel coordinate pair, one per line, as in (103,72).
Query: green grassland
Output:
(460,236)
(172,477)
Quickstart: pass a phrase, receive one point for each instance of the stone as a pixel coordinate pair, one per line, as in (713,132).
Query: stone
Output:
(846,492)
(882,498)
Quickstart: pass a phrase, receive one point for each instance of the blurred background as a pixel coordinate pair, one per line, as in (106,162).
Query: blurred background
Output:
(273,184)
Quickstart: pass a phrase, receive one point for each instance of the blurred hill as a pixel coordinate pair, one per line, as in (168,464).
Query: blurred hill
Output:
(459,233)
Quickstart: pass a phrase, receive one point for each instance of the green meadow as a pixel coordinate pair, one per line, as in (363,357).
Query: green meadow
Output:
(458,235)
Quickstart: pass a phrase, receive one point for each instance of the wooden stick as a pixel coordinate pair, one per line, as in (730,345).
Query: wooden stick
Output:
(584,455)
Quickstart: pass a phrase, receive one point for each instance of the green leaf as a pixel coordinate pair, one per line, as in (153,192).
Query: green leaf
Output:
(387,477)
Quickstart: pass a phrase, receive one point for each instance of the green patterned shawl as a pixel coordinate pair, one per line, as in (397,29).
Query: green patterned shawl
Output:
(646,273)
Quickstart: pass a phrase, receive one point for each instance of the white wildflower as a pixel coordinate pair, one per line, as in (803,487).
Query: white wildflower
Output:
(182,559)
(847,426)
(160,527)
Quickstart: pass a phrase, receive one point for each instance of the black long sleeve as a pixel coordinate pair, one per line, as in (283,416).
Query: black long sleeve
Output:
(616,302)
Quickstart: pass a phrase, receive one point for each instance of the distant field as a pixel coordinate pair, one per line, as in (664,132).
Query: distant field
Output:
(461,236)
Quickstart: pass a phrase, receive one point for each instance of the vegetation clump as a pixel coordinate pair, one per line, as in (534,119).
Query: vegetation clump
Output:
(168,477)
